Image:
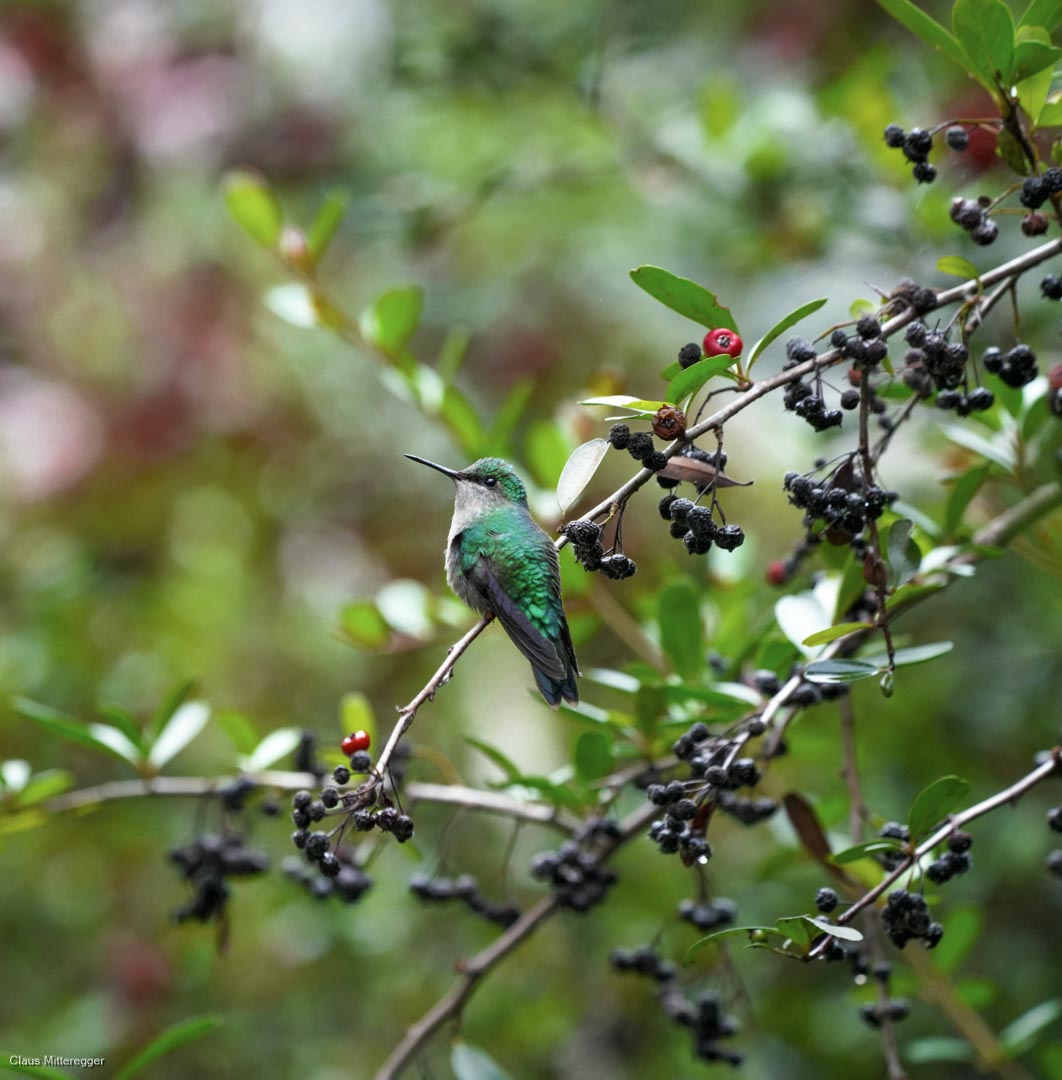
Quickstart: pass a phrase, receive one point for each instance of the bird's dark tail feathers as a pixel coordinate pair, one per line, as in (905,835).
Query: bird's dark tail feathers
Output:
(554,690)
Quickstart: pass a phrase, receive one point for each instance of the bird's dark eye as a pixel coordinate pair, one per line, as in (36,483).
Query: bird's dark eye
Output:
(491,481)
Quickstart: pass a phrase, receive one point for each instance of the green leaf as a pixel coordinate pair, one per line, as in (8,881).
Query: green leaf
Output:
(718,935)
(461,418)
(625,401)
(916,654)
(293,303)
(509,414)
(1020,1035)
(794,927)
(846,933)
(547,448)
(167,707)
(962,492)
(696,375)
(63,725)
(904,555)
(782,326)
(864,851)
(363,624)
(254,206)
(356,714)
(934,803)
(326,221)
(684,296)
(681,631)
(1045,13)
(594,755)
(185,724)
(579,470)
(935,1048)
(118,742)
(239,730)
(492,753)
(832,633)
(800,616)
(930,31)
(1031,58)
(391,320)
(840,671)
(44,785)
(168,1041)
(124,723)
(851,588)
(471,1063)
(272,748)
(906,593)
(957,266)
(985,30)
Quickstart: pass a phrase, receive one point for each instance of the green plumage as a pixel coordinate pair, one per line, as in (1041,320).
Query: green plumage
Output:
(500,562)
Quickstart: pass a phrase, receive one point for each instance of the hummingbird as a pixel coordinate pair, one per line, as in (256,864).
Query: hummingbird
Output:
(501,563)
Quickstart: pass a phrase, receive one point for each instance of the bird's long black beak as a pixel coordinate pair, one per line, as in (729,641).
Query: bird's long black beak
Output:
(452,473)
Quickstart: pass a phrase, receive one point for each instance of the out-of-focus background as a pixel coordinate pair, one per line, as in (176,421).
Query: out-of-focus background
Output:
(193,487)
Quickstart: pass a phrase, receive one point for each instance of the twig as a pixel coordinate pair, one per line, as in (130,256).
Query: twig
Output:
(473,970)
(956,821)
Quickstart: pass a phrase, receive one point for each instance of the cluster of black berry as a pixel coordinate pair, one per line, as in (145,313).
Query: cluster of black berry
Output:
(205,863)
(748,811)
(906,917)
(956,860)
(935,362)
(696,526)
(644,960)
(337,875)
(575,875)
(704,1016)
(639,445)
(971,215)
(585,538)
(801,398)
(1015,367)
(676,831)
(893,830)
(844,509)
(897,1009)
(465,888)
(917,144)
(708,914)
(1036,190)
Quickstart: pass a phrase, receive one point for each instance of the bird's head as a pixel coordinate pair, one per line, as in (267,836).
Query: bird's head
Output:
(487,482)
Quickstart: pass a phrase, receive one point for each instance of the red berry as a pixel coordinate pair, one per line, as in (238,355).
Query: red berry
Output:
(358,740)
(776,573)
(717,342)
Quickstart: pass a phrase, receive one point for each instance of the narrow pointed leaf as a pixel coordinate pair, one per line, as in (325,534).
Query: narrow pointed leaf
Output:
(681,629)
(864,851)
(254,206)
(846,933)
(117,741)
(65,726)
(326,221)
(957,266)
(684,296)
(934,803)
(962,492)
(930,31)
(832,633)
(625,401)
(579,470)
(691,379)
(914,654)
(181,728)
(169,705)
(783,325)
(905,556)
(166,1042)
(718,935)
(272,748)
(840,671)
(120,719)
(680,467)
(1019,1036)
(492,753)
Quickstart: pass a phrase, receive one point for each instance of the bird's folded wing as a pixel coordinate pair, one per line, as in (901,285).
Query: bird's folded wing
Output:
(525,635)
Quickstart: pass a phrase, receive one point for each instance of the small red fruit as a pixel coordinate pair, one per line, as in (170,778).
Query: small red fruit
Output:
(776,573)
(358,740)
(720,341)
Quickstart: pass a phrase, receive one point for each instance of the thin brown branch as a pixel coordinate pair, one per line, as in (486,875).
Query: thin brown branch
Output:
(472,971)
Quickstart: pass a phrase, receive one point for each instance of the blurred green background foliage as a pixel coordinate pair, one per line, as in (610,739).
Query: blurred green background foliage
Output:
(194,488)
